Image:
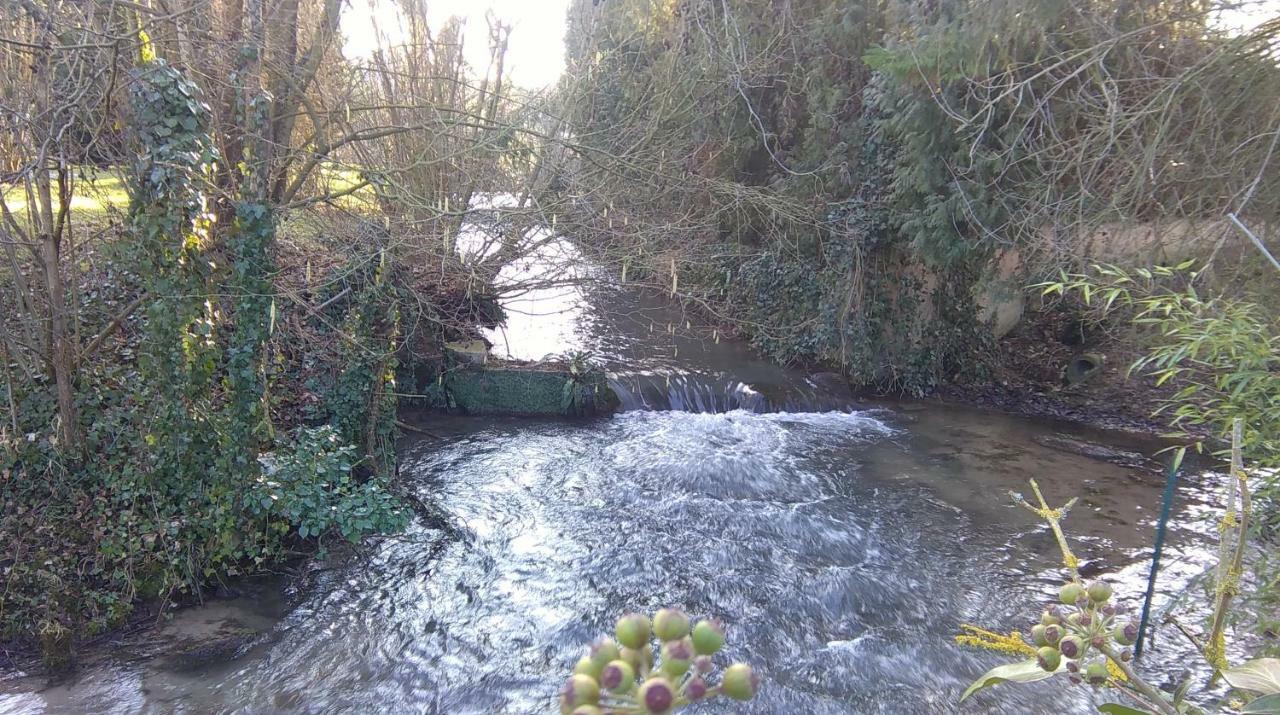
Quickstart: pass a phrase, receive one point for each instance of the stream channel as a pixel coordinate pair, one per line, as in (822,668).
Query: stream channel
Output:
(842,541)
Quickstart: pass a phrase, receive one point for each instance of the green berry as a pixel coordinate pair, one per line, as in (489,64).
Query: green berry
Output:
(637,659)
(1049,658)
(604,652)
(1052,634)
(1125,635)
(670,624)
(618,677)
(1070,593)
(1071,646)
(708,637)
(632,630)
(1096,673)
(1050,617)
(1099,591)
(740,682)
(1037,635)
(580,690)
(656,696)
(677,656)
(588,667)
(695,689)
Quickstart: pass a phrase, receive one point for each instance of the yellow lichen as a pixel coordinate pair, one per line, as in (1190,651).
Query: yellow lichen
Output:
(1216,651)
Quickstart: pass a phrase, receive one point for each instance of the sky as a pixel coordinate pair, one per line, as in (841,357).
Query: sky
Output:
(535,54)
(1250,14)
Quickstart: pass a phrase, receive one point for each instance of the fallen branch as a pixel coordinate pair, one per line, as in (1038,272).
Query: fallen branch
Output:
(111,327)
(410,428)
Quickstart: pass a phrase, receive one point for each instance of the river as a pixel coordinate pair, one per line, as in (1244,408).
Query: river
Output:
(843,542)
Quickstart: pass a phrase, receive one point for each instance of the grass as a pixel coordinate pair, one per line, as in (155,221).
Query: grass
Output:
(96,194)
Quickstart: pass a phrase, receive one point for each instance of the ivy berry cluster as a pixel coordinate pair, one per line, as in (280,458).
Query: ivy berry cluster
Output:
(1084,631)
(620,676)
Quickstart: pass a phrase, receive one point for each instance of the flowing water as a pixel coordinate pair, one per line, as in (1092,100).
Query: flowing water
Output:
(842,543)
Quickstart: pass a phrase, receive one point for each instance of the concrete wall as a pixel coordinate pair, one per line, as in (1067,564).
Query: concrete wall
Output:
(1002,297)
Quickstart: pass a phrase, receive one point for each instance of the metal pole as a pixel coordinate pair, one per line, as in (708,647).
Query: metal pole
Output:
(1256,241)
(1171,481)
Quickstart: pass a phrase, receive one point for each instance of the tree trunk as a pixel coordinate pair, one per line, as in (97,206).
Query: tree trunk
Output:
(61,355)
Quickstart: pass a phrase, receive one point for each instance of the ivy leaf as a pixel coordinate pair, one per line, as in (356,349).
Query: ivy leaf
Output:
(1028,671)
(1260,675)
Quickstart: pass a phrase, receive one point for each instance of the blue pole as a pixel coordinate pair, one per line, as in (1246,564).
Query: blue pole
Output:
(1171,481)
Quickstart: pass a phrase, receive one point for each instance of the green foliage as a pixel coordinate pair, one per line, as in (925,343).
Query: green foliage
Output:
(170,225)
(171,493)
(837,185)
(1087,635)
(312,488)
(362,403)
(1027,671)
(820,211)
(255,311)
(859,294)
(1223,355)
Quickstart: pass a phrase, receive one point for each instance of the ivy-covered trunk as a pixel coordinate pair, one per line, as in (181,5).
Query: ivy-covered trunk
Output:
(250,243)
(171,224)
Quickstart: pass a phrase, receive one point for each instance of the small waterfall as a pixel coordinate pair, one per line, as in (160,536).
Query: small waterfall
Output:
(689,392)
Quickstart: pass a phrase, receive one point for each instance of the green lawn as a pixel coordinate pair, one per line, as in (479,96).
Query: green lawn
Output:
(95,193)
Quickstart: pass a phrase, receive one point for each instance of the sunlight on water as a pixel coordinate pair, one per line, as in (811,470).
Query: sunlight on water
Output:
(842,548)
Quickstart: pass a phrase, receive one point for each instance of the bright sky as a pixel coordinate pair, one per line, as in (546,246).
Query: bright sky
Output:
(1249,14)
(535,55)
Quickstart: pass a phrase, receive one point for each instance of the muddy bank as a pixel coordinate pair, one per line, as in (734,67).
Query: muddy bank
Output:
(179,635)
(1040,401)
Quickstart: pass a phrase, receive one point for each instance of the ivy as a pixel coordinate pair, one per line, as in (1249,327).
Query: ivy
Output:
(171,225)
(185,482)
(255,311)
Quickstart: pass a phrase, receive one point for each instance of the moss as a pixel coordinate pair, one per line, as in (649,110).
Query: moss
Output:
(529,392)
(55,646)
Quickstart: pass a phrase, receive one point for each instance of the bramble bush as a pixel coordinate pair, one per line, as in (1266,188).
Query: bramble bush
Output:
(312,489)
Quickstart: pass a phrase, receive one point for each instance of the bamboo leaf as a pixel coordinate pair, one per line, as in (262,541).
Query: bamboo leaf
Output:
(1118,709)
